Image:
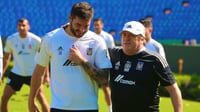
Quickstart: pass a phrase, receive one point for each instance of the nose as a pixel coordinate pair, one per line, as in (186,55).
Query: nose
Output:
(21,27)
(82,29)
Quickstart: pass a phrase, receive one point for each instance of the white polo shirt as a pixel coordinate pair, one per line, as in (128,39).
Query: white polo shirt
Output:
(23,51)
(108,39)
(155,46)
(71,87)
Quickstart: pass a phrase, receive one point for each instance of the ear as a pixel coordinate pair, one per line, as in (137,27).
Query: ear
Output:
(70,18)
(29,27)
(102,25)
(150,30)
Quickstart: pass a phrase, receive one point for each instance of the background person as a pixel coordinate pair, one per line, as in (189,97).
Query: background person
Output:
(151,43)
(73,82)
(137,74)
(98,29)
(112,32)
(23,46)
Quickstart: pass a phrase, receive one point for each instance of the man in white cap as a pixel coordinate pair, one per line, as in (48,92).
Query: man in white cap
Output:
(136,74)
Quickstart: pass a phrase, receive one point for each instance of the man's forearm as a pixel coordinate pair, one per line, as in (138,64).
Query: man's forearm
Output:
(36,81)
(99,75)
(176,97)
(5,65)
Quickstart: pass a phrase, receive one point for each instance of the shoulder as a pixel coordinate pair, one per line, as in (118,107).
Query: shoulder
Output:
(34,36)
(115,50)
(91,36)
(52,34)
(13,36)
(156,43)
(150,54)
(154,56)
(115,53)
(106,34)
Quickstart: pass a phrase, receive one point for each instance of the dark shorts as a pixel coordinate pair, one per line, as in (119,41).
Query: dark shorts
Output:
(16,81)
(58,110)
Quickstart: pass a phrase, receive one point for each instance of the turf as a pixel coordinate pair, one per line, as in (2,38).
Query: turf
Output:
(18,102)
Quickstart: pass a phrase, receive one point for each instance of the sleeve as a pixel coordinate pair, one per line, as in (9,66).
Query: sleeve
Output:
(162,51)
(7,47)
(164,73)
(111,42)
(102,58)
(38,42)
(42,56)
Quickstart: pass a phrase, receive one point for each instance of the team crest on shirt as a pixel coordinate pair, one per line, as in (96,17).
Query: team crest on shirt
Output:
(117,65)
(60,49)
(140,66)
(127,66)
(89,51)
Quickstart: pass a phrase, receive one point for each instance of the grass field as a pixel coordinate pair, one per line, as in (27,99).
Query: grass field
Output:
(18,102)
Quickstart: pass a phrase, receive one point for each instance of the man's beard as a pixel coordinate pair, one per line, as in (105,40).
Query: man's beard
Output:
(74,32)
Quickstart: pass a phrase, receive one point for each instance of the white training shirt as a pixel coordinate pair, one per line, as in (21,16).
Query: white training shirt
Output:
(71,87)
(23,51)
(108,39)
(155,46)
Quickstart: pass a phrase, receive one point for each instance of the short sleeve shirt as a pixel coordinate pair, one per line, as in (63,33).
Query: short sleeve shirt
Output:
(71,87)
(23,51)
(134,80)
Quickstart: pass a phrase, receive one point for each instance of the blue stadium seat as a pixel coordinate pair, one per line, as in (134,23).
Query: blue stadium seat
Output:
(45,15)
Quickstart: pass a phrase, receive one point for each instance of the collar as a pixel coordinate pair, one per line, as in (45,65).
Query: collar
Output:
(143,48)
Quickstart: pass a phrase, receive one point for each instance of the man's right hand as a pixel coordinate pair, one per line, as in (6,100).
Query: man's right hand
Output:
(33,107)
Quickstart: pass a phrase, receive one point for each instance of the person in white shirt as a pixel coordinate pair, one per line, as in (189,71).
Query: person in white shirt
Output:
(98,29)
(74,83)
(22,46)
(151,43)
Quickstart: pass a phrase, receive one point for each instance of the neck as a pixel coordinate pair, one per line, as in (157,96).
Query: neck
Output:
(69,31)
(98,32)
(23,35)
(133,51)
(149,38)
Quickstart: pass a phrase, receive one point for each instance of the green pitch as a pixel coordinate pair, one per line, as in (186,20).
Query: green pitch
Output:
(19,101)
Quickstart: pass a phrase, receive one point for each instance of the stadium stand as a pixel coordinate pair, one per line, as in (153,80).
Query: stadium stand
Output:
(44,15)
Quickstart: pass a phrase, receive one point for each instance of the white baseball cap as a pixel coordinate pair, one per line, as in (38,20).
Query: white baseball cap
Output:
(135,28)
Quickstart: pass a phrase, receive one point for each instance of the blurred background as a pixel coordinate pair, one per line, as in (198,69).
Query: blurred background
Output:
(175,22)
